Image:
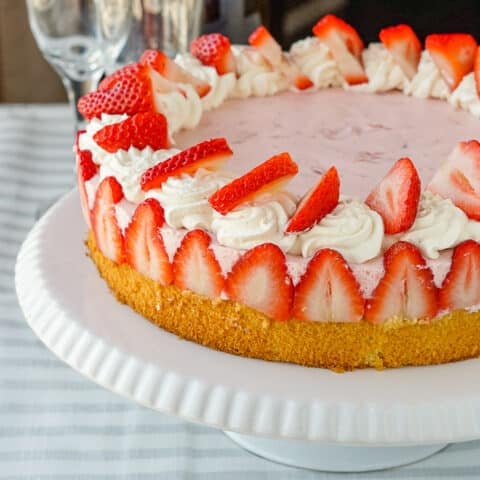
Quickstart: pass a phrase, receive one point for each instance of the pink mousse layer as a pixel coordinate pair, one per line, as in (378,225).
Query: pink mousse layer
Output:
(361,134)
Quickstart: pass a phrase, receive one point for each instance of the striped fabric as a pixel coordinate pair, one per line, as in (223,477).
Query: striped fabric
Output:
(54,424)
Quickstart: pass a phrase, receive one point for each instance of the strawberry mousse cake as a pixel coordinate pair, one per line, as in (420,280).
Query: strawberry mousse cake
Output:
(319,206)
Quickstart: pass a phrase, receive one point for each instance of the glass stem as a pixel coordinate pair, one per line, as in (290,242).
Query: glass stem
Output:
(76,89)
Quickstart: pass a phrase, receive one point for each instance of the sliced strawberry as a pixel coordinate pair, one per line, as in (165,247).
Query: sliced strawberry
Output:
(476,69)
(127,91)
(453,54)
(264,42)
(396,197)
(328,291)
(166,67)
(86,169)
(210,154)
(317,203)
(108,235)
(144,248)
(269,175)
(461,287)
(148,129)
(260,280)
(345,45)
(459,178)
(195,267)
(406,290)
(404,46)
(214,49)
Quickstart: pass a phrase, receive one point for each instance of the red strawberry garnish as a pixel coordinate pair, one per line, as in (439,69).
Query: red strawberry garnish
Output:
(86,169)
(195,266)
(345,45)
(453,54)
(264,42)
(328,291)
(76,146)
(144,248)
(108,235)
(317,203)
(406,290)
(86,166)
(127,91)
(476,69)
(210,154)
(404,46)
(396,197)
(260,280)
(461,287)
(214,49)
(166,67)
(148,129)
(267,176)
(459,178)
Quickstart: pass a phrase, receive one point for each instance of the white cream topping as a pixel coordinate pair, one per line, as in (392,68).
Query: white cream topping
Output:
(465,96)
(128,167)
(221,85)
(124,211)
(314,60)
(428,81)
(351,228)
(439,225)
(382,71)
(256,76)
(260,222)
(185,198)
(181,111)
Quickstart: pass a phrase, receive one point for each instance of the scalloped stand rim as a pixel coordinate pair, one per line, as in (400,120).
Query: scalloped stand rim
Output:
(333,458)
(82,323)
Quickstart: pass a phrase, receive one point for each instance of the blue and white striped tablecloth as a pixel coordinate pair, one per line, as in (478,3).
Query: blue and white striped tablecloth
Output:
(55,424)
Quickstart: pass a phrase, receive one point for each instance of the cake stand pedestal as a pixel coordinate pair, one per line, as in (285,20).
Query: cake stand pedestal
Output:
(333,458)
(314,418)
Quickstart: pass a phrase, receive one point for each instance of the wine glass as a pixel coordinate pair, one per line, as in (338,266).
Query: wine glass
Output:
(80,39)
(167,25)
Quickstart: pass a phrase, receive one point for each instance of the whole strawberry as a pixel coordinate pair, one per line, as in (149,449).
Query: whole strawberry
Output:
(214,50)
(129,90)
(142,130)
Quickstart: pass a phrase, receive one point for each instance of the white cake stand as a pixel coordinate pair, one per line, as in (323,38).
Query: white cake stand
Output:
(358,421)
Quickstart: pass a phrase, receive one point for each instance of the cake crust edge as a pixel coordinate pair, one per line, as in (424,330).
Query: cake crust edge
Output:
(234,328)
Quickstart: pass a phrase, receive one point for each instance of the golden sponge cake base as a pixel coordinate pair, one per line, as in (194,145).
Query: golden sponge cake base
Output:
(235,328)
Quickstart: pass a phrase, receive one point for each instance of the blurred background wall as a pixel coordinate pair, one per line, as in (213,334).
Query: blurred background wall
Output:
(26,77)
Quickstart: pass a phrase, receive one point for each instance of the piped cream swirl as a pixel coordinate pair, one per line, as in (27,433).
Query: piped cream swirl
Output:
(181,111)
(428,81)
(128,167)
(439,225)
(382,71)
(260,222)
(185,198)
(255,75)
(465,96)
(221,85)
(351,228)
(314,60)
